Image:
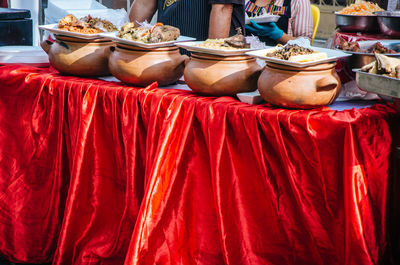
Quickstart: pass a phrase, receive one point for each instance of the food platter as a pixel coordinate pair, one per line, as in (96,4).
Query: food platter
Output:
(332,55)
(264,18)
(192,46)
(113,36)
(391,44)
(379,84)
(53,28)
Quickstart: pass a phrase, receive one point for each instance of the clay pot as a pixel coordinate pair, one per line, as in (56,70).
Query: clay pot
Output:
(293,87)
(141,66)
(218,76)
(79,57)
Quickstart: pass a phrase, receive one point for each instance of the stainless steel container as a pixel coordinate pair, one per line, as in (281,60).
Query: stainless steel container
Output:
(354,23)
(389,22)
(379,84)
(359,59)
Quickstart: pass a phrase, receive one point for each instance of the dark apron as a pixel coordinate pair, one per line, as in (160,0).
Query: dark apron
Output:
(282,23)
(190,16)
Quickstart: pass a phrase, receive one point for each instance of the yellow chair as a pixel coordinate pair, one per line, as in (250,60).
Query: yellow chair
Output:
(316,16)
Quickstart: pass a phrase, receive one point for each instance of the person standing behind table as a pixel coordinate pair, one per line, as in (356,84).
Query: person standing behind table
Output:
(200,19)
(295,20)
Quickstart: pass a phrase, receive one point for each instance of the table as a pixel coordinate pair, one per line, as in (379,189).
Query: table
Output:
(95,172)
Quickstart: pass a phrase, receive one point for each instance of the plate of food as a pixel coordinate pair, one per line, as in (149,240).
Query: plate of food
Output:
(155,36)
(262,18)
(232,46)
(298,56)
(85,28)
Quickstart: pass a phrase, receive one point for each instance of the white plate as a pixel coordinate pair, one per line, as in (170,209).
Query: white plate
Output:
(333,55)
(113,36)
(191,46)
(35,61)
(262,18)
(21,50)
(250,97)
(53,28)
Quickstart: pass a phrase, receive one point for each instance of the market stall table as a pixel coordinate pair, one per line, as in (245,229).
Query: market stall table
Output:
(96,172)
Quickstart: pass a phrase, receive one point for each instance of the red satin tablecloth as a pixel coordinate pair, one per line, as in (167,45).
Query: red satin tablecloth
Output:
(96,172)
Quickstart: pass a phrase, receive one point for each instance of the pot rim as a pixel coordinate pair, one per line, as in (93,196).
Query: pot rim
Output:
(313,68)
(211,57)
(131,48)
(78,40)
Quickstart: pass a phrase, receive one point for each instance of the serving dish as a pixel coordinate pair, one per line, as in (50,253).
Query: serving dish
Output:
(114,36)
(80,57)
(359,59)
(215,75)
(53,28)
(293,87)
(357,23)
(332,56)
(191,46)
(142,66)
(389,22)
(379,84)
(264,18)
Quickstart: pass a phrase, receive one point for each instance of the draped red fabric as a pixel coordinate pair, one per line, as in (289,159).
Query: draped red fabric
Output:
(34,172)
(95,172)
(285,187)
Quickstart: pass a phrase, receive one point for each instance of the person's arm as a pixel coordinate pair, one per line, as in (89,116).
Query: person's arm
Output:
(220,21)
(142,10)
(285,38)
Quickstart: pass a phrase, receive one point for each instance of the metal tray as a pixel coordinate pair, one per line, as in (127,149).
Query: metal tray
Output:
(113,36)
(379,84)
(333,55)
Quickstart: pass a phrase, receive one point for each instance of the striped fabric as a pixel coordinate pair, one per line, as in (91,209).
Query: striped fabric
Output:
(301,22)
(252,8)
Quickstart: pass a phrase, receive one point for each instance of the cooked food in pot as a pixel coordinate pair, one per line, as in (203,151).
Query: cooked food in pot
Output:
(86,25)
(383,65)
(295,53)
(158,33)
(361,8)
(235,42)
(101,24)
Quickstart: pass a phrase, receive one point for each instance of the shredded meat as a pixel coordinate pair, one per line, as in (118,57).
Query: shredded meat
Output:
(289,50)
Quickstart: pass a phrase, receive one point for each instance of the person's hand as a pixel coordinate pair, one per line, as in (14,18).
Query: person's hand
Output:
(269,30)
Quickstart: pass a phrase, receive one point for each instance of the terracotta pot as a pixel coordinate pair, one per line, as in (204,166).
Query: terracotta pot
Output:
(79,57)
(141,67)
(293,87)
(216,75)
